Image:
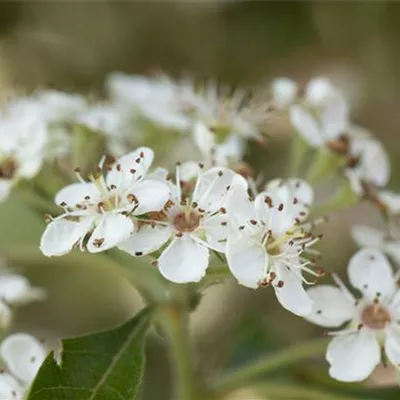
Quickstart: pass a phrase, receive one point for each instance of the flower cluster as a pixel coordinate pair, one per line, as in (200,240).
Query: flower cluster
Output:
(209,210)
(321,117)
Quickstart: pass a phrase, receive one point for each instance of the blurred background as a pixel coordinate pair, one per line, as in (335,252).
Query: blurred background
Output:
(73,46)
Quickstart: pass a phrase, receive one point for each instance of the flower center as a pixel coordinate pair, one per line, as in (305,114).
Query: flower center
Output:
(341,145)
(375,317)
(7,168)
(187,221)
(272,246)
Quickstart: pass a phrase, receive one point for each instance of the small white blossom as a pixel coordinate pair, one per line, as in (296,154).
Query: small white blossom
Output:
(323,117)
(15,290)
(23,356)
(284,92)
(373,326)
(368,162)
(192,224)
(98,215)
(267,243)
(223,122)
(23,141)
(158,99)
(366,236)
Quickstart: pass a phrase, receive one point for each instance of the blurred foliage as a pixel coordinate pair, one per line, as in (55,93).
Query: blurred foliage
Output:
(73,46)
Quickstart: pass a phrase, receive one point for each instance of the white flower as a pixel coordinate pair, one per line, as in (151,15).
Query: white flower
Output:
(157,99)
(15,290)
(23,141)
(23,356)
(389,204)
(368,162)
(98,215)
(267,242)
(284,92)
(323,118)
(366,236)
(373,319)
(192,224)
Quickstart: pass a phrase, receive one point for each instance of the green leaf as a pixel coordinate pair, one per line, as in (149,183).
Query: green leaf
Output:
(102,366)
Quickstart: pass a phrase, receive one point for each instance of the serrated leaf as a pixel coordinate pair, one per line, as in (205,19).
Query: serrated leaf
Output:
(102,366)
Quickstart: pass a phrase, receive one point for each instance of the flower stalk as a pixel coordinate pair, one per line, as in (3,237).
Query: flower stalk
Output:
(290,355)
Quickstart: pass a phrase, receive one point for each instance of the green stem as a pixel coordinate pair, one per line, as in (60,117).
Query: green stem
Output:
(295,392)
(298,151)
(174,320)
(252,370)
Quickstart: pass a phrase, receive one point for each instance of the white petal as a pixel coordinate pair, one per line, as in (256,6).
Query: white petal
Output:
(189,170)
(111,230)
(354,356)
(292,188)
(284,91)
(334,116)
(240,208)
(292,295)
(76,193)
(318,90)
(392,346)
(391,200)
(10,388)
(282,215)
(203,138)
(23,355)
(366,236)
(130,168)
(5,188)
(306,125)
(16,289)
(61,235)
(212,187)
(370,272)
(151,195)
(374,166)
(331,308)
(216,231)
(146,240)
(5,316)
(248,261)
(184,260)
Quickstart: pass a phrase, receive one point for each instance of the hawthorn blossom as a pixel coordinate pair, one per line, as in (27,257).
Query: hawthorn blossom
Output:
(284,92)
(224,121)
(323,116)
(100,214)
(158,99)
(322,119)
(23,142)
(15,290)
(367,161)
(372,330)
(268,244)
(192,223)
(23,356)
(366,236)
